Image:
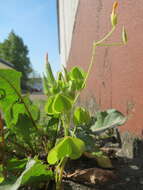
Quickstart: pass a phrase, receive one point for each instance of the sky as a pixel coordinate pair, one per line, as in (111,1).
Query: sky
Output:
(36,22)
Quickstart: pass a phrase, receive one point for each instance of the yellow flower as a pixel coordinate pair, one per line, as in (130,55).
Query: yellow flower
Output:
(115,5)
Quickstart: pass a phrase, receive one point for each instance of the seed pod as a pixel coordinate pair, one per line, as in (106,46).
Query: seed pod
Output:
(113,19)
(46,87)
(49,73)
(124,36)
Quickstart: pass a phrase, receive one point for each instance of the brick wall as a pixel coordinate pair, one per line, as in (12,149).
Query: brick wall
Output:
(116,80)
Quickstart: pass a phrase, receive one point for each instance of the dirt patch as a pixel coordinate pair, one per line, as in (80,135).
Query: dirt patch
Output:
(126,174)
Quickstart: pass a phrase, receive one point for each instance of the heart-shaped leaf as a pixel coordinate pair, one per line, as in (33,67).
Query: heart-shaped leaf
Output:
(77,73)
(68,147)
(108,119)
(62,103)
(81,116)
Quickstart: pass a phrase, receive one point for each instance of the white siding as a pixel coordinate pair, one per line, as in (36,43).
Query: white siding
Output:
(67,14)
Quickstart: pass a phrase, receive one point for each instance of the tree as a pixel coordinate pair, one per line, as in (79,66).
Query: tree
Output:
(16,52)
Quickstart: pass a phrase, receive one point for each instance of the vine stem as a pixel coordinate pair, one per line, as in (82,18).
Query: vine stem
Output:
(112,44)
(106,36)
(88,72)
(61,169)
(95,44)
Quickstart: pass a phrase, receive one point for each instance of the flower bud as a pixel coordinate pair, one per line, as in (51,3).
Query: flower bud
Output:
(113,19)
(115,5)
(113,14)
(46,58)
(124,35)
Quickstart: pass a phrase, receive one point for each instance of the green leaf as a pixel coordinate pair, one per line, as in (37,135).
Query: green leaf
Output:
(46,86)
(60,76)
(107,119)
(80,84)
(68,147)
(65,72)
(49,105)
(62,103)
(18,182)
(81,116)
(1,178)
(77,73)
(34,172)
(12,102)
(9,87)
(19,108)
(49,74)
(24,129)
(15,164)
(102,159)
(1,174)
(54,89)
(77,76)
(72,85)
(87,138)
(38,173)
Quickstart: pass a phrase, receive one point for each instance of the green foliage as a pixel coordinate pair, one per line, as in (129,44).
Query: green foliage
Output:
(98,126)
(10,87)
(15,51)
(19,112)
(15,164)
(52,138)
(77,75)
(67,147)
(67,85)
(50,77)
(102,159)
(35,171)
(64,132)
(61,103)
(107,120)
(81,116)
(1,174)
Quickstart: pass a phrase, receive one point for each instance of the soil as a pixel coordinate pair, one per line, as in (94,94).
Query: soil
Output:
(127,174)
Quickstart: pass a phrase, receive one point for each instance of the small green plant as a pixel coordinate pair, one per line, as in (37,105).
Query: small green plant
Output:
(63,94)
(37,151)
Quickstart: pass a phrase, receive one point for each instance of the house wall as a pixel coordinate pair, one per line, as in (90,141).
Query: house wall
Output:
(67,13)
(116,79)
(2,66)
(5,64)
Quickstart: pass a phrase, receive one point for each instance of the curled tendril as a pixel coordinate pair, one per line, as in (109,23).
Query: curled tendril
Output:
(2,93)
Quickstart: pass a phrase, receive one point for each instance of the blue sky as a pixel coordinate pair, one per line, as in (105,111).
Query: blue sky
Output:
(36,22)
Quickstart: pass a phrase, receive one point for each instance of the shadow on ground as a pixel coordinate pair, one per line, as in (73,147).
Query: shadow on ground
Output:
(129,171)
